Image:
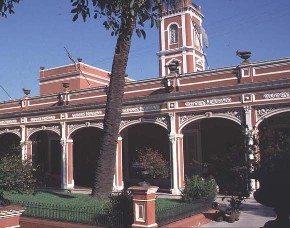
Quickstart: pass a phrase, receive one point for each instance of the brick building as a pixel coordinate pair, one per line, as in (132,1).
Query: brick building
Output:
(189,114)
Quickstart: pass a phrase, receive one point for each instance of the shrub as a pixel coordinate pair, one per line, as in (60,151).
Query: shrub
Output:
(121,204)
(152,161)
(275,157)
(198,187)
(16,175)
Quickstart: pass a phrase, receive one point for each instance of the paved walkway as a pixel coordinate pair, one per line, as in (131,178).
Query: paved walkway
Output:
(253,214)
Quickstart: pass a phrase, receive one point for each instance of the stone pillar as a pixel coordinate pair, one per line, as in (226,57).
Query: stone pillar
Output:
(174,156)
(118,177)
(63,164)
(180,153)
(28,148)
(251,134)
(144,206)
(23,143)
(64,170)
(10,215)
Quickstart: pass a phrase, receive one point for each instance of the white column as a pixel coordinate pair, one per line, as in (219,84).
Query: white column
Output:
(118,176)
(23,143)
(174,158)
(250,131)
(162,34)
(184,62)
(163,68)
(64,170)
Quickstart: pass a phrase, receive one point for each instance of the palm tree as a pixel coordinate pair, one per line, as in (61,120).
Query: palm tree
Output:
(6,6)
(123,17)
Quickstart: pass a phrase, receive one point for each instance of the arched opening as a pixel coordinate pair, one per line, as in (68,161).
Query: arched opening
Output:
(9,144)
(277,123)
(139,137)
(272,132)
(173,34)
(86,148)
(211,147)
(46,156)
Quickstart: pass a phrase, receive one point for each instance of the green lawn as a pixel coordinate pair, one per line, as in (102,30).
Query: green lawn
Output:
(82,208)
(57,198)
(162,203)
(76,200)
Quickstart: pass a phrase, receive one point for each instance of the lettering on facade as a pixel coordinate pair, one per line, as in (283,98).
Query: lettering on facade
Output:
(8,121)
(143,108)
(276,95)
(208,102)
(42,118)
(86,114)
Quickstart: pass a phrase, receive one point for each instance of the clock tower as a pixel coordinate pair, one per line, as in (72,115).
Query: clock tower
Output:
(181,38)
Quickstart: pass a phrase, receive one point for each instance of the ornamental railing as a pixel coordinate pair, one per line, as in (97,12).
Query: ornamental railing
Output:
(85,215)
(177,212)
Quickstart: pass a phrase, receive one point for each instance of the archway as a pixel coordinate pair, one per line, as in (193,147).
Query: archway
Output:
(46,156)
(272,131)
(9,144)
(210,146)
(277,123)
(86,147)
(138,137)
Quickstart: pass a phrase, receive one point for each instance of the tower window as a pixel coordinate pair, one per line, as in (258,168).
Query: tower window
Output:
(173,32)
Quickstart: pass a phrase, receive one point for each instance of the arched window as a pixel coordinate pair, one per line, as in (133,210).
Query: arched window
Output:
(173,33)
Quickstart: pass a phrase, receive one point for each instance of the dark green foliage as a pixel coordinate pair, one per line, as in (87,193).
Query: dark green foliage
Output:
(121,202)
(235,202)
(7,6)
(233,169)
(122,17)
(16,175)
(124,12)
(275,156)
(198,187)
(152,161)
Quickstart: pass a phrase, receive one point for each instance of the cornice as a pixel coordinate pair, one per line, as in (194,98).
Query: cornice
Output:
(159,98)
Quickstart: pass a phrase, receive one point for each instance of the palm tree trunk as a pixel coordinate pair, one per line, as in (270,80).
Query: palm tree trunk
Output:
(106,161)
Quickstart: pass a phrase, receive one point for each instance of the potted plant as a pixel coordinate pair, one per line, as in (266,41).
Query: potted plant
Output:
(151,164)
(232,211)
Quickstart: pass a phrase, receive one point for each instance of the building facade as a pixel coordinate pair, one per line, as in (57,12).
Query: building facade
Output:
(189,114)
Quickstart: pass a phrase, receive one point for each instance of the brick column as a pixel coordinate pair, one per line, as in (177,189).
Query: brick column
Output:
(28,147)
(144,206)
(70,177)
(9,215)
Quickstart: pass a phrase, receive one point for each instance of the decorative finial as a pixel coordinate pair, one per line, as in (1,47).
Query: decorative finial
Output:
(26,91)
(65,85)
(245,55)
(173,67)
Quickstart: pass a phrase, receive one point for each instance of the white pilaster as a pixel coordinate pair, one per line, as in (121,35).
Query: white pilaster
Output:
(116,186)
(174,159)
(64,170)
(248,119)
(162,34)
(23,143)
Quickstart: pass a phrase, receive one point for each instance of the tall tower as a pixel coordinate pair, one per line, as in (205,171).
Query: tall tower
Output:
(180,37)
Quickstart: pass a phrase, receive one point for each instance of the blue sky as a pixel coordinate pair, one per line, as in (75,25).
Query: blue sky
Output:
(36,35)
